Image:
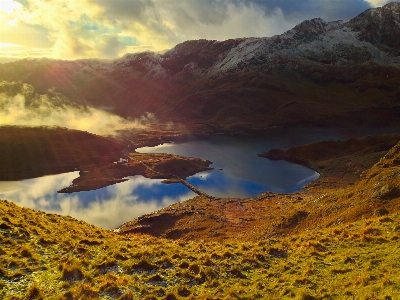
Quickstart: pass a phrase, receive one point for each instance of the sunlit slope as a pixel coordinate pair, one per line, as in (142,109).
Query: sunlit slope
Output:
(47,256)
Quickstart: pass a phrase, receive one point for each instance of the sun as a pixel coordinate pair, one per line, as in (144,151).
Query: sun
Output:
(8,5)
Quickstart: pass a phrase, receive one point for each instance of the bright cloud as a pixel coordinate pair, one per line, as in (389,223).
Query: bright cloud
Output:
(8,6)
(376,3)
(108,29)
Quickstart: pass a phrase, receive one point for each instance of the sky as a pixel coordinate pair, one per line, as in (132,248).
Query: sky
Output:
(107,29)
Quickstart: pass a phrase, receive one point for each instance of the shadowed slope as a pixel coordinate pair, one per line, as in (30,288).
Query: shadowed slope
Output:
(28,152)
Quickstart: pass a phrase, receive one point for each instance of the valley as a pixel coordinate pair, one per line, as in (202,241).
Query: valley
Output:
(273,245)
(313,213)
(318,74)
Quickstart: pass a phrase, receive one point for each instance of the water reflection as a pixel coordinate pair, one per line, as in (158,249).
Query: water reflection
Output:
(220,184)
(243,173)
(108,207)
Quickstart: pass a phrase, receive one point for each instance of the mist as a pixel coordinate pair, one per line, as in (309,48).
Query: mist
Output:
(21,106)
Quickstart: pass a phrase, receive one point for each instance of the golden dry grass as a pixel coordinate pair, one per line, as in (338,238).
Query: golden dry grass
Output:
(343,244)
(56,257)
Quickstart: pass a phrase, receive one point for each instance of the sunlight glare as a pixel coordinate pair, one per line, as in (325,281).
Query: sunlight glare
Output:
(377,3)
(8,45)
(9,5)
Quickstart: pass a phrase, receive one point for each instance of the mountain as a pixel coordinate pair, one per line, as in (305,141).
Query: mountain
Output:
(316,74)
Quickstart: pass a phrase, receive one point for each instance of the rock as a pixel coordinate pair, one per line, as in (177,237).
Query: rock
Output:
(278,253)
(5,226)
(387,192)
(349,260)
(381,212)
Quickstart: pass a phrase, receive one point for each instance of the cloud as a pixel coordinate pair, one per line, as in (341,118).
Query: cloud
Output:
(9,5)
(376,3)
(20,105)
(328,10)
(223,21)
(15,31)
(108,29)
(130,10)
(111,47)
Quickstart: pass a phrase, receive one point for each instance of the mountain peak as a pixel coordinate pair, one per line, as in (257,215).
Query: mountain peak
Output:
(310,30)
(392,6)
(316,24)
(380,27)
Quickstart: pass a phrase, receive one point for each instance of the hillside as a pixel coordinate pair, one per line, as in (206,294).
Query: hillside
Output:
(338,196)
(338,238)
(316,74)
(29,152)
(45,255)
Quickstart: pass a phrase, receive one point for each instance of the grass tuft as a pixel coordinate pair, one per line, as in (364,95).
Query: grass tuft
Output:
(71,272)
(34,293)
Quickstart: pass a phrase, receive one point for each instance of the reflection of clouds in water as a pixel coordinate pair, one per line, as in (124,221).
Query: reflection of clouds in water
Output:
(37,193)
(125,189)
(221,184)
(113,212)
(202,175)
(235,191)
(155,149)
(108,207)
(244,174)
(111,206)
(303,182)
(122,203)
(218,184)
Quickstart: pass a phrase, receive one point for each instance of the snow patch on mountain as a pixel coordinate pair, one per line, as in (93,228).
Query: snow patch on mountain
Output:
(243,52)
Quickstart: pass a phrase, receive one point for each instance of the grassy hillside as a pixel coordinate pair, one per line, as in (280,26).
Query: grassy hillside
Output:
(45,256)
(53,257)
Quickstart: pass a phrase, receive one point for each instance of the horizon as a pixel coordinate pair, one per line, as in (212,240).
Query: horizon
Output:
(104,29)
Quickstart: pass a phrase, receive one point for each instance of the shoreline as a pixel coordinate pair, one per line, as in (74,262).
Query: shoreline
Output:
(285,212)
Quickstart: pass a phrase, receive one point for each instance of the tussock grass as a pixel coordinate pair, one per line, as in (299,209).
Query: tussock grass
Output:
(340,250)
(359,259)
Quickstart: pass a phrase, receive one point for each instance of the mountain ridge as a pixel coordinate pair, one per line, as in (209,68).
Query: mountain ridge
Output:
(312,75)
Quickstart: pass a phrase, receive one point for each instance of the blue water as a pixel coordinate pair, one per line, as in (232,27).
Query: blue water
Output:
(243,174)
(238,171)
(107,207)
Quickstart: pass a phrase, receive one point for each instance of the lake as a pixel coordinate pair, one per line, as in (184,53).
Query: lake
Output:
(107,207)
(238,173)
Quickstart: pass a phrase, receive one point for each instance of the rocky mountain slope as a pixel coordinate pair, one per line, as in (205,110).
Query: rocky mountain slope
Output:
(316,74)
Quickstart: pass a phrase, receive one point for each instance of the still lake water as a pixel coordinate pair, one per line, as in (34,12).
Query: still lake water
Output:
(107,207)
(243,174)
